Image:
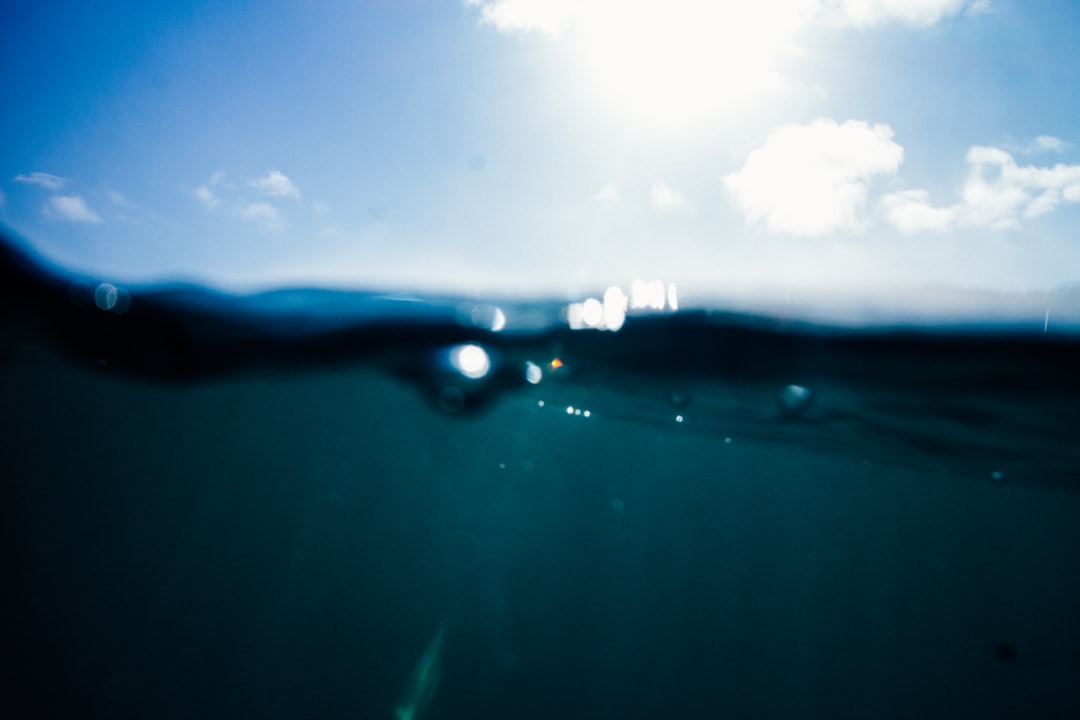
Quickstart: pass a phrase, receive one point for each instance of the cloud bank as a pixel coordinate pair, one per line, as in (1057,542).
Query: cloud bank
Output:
(553,17)
(998,193)
(814,179)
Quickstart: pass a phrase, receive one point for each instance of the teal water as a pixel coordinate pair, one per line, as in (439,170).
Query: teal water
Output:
(272,507)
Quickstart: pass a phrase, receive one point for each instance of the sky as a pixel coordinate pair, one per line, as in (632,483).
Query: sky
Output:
(538,147)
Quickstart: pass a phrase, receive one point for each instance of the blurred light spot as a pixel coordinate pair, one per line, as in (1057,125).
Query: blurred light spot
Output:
(577,411)
(487,317)
(569,409)
(499,321)
(575,316)
(997,476)
(556,364)
(502,466)
(678,418)
(647,295)
(618,506)
(541,403)
(606,314)
(795,399)
(727,441)
(472,361)
(672,297)
(109,297)
(533,373)
(592,313)
(586,413)
(105,296)
(614,308)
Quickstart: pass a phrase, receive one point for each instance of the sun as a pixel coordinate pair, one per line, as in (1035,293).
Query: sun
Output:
(682,64)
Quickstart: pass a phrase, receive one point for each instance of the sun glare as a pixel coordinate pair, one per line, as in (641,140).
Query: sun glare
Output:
(677,65)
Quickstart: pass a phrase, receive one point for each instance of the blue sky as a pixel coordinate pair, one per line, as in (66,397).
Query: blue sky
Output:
(548,146)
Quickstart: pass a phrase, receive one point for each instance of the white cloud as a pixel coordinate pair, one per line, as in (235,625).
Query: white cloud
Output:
(207,197)
(997,194)
(553,17)
(71,208)
(910,211)
(262,213)
(42,179)
(607,194)
(813,179)
(664,198)
(550,17)
(275,183)
(870,13)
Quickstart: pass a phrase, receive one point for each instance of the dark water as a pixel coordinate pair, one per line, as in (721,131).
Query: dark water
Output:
(267,507)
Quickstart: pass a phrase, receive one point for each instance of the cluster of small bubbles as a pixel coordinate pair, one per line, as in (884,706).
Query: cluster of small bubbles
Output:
(571,410)
(795,399)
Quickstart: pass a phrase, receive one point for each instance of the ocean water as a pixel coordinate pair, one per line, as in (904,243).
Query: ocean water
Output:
(347,505)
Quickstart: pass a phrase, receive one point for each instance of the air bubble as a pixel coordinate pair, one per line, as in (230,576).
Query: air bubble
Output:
(795,400)
(452,399)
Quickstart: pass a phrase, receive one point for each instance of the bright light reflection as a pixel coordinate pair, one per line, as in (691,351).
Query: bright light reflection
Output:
(472,361)
(614,308)
(109,297)
(677,65)
(533,373)
(647,295)
(593,314)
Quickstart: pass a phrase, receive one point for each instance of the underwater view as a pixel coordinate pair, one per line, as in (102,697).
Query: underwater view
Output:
(330,504)
(540,359)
